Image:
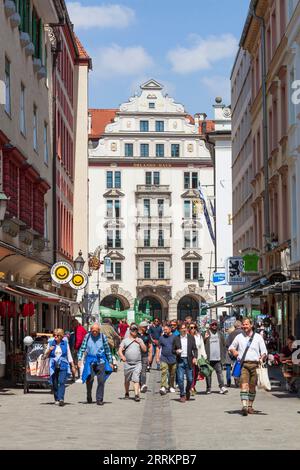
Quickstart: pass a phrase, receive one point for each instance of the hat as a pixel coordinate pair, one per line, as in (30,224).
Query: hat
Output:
(144,324)
(133,327)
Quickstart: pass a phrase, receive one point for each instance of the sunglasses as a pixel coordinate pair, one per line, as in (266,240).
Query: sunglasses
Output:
(192,328)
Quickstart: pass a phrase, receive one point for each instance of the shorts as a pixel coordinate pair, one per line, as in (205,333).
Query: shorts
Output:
(249,374)
(132,372)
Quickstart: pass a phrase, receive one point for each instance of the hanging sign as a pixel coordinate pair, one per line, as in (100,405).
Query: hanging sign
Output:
(251,262)
(79,280)
(234,271)
(62,272)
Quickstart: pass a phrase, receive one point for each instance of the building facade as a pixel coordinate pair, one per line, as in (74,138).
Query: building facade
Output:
(146,160)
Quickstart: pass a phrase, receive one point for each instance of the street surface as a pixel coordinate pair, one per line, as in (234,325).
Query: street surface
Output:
(156,423)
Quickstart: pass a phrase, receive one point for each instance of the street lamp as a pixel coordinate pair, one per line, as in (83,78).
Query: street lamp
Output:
(79,262)
(201,281)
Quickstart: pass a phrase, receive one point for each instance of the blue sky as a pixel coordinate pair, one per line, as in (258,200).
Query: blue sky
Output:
(189,46)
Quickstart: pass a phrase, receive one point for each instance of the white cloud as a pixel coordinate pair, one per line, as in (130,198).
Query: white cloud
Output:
(203,53)
(218,86)
(115,61)
(102,16)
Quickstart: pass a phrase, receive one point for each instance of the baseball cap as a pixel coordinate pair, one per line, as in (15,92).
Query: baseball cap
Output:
(144,323)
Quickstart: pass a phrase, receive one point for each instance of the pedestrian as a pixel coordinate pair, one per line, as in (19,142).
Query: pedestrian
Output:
(249,349)
(130,353)
(230,360)
(122,328)
(215,347)
(188,320)
(193,330)
(98,362)
(146,356)
(174,328)
(184,346)
(287,370)
(113,339)
(76,342)
(155,332)
(167,361)
(58,351)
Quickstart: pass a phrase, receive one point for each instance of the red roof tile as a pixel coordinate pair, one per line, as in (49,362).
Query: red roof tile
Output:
(100,119)
(210,127)
(82,52)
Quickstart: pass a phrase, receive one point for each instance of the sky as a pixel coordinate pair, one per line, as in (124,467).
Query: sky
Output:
(189,46)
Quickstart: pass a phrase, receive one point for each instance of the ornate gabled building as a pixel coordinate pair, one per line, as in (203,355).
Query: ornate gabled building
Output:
(146,160)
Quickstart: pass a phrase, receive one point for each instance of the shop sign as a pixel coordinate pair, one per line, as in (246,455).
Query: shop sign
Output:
(61,272)
(234,271)
(251,262)
(219,279)
(79,280)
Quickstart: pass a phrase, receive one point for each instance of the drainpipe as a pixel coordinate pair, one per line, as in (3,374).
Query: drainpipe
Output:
(265,127)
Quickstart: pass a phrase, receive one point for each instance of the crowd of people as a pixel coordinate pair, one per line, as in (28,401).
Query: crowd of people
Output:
(176,348)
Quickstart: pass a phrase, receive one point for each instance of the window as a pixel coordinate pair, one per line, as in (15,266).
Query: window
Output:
(23,7)
(187,239)
(113,179)
(186,181)
(190,180)
(113,239)
(144,126)
(160,204)
(35,129)
(147,238)
(191,271)
(22,110)
(128,150)
(144,150)
(187,209)
(46,151)
(118,239)
(160,150)
(110,239)
(148,178)
(159,126)
(151,105)
(175,150)
(161,270)
(37,34)
(190,239)
(161,241)
(194,180)
(116,269)
(117,209)
(147,270)
(147,207)
(7,86)
(109,209)
(156,178)
(113,209)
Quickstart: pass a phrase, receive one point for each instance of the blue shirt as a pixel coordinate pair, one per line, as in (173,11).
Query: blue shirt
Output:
(166,343)
(155,331)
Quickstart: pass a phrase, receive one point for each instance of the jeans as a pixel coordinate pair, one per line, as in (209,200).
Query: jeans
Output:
(168,372)
(217,365)
(97,370)
(144,370)
(228,374)
(59,384)
(183,368)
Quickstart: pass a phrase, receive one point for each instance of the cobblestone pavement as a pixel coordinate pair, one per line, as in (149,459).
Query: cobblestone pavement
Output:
(206,422)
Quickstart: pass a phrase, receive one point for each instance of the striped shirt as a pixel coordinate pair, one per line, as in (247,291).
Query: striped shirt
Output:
(84,347)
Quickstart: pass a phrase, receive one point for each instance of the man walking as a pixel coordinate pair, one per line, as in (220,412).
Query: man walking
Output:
(130,353)
(155,332)
(214,342)
(98,362)
(230,359)
(174,328)
(167,361)
(248,348)
(184,346)
(146,356)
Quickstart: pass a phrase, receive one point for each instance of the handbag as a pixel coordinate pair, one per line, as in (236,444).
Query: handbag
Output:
(263,377)
(237,368)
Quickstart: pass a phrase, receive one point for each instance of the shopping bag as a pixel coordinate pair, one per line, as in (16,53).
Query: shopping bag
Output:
(237,370)
(263,378)
(43,367)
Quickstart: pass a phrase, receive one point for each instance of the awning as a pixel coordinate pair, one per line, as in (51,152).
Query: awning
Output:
(291,286)
(38,295)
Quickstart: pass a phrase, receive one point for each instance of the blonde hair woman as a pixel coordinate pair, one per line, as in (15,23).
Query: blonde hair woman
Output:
(60,356)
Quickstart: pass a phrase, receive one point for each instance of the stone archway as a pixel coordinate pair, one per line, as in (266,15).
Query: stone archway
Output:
(124,296)
(193,291)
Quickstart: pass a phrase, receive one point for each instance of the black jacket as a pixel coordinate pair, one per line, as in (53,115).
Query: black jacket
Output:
(192,350)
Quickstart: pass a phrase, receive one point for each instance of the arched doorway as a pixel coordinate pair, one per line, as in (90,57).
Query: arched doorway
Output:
(187,306)
(154,305)
(114,302)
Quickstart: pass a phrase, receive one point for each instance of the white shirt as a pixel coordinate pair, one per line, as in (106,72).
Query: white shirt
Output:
(184,344)
(257,347)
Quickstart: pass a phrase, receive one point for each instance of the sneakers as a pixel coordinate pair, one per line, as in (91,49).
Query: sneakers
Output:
(163,391)
(148,369)
(144,389)
(61,403)
(137,398)
(223,390)
(245,411)
(172,390)
(100,402)
(56,402)
(78,381)
(208,391)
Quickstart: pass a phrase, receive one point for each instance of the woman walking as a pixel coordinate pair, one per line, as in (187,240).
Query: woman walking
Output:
(194,331)
(58,351)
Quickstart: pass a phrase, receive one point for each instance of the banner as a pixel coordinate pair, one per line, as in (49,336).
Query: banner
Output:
(207,216)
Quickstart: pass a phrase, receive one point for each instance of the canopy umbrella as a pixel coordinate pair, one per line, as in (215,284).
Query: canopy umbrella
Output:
(147,311)
(118,305)
(136,306)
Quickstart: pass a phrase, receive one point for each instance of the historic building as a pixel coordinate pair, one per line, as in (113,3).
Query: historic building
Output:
(146,160)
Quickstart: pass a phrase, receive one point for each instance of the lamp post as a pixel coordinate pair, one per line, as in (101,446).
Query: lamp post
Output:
(79,262)
(201,281)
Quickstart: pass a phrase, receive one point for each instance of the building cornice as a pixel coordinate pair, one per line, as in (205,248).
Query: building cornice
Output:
(159,163)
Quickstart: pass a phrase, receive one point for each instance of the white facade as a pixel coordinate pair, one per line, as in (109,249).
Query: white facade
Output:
(293,34)
(143,177)
(221,137)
